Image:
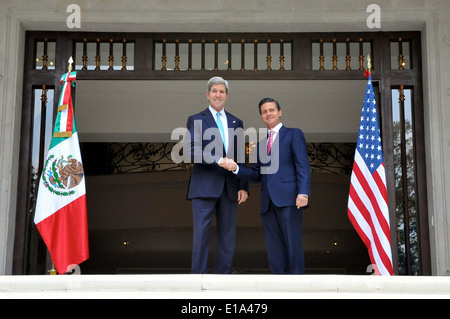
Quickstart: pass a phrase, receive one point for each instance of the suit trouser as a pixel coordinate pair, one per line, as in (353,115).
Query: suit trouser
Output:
(283,233)
(204,210)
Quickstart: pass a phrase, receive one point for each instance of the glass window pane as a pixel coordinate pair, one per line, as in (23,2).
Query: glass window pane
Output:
(182,55)
(236,56)
(249,56)
(117,54)
(405,181)
(130,56)
(196,56)
(341,53)
(402,57)
(209,56)
(41,108)
(288,56)
(158,55)
(78,56)
(354,53)
(222,63)
(39,54)
(275,54)
(262,56)
(45,55)
(51,55)
(104,55)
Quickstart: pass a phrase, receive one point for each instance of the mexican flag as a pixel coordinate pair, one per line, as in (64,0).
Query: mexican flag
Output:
(61,214)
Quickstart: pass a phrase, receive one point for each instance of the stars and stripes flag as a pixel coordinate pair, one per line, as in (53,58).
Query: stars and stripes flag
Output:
(61,213)
(368,203)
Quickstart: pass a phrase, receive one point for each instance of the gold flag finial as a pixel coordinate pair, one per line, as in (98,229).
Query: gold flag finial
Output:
(369,63)
(70,65)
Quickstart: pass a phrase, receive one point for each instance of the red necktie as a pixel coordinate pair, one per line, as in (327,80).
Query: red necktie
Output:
(270,142)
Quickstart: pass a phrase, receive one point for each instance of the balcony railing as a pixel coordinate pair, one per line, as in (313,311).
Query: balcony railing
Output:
(194,56)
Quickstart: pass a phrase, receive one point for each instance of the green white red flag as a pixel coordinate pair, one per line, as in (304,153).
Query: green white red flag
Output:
(61,213)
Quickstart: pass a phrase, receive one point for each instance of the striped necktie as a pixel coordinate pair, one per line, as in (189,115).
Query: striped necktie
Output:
(269,142)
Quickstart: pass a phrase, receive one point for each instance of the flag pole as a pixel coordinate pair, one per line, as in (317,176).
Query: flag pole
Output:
(369,63)
(367,206)
(69,69)
(52,270)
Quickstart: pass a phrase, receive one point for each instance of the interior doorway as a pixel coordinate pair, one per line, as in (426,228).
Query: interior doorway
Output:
(139,218)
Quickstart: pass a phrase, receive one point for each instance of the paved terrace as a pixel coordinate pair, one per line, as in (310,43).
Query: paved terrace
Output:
(223,286)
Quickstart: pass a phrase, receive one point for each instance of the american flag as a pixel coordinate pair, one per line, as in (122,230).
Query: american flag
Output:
(367,201)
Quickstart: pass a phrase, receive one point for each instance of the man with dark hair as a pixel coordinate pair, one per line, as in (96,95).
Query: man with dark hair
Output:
(284,190)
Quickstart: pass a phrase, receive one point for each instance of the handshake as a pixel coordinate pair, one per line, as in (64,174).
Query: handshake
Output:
(228,163)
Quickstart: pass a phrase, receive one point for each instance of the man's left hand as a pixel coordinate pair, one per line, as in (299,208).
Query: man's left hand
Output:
(242,196)
(301,201)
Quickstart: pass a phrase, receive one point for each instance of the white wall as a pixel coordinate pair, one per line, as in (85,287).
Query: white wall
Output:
(127,111)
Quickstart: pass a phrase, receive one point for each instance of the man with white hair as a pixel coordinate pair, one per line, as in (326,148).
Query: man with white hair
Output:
(212,190)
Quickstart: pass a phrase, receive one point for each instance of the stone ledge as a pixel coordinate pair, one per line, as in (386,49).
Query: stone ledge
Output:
(223,286)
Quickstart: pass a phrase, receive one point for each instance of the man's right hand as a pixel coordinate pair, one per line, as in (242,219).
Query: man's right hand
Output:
(228,163)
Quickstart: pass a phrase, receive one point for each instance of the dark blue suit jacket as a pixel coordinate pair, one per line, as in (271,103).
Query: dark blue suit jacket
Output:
(208,179)
(281,181)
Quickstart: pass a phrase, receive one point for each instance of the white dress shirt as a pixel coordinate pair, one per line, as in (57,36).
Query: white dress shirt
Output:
(223,118)
(275,131)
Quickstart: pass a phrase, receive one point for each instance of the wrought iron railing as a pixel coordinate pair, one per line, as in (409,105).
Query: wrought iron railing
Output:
(239,55)
(222,54)
(154,157)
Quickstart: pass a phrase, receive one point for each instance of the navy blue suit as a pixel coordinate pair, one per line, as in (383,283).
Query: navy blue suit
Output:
(212,190)
(283,175)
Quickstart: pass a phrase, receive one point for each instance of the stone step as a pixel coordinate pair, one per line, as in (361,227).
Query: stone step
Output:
(222,286)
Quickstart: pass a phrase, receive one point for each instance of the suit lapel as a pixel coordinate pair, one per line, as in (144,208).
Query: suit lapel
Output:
(281,133)
(211,123)
(209,119)
(231,122)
